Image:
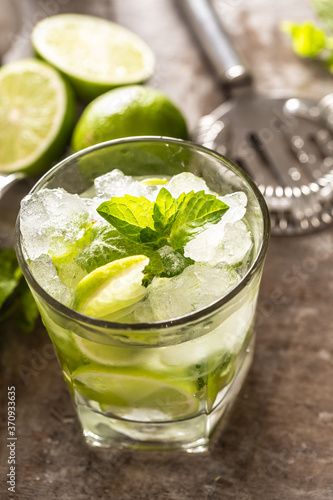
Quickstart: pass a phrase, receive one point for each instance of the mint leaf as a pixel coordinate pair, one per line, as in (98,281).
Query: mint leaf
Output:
(26,312)
(308,40)
(164,211)
(196,211)
(130,215)
(105,245)
(108,244)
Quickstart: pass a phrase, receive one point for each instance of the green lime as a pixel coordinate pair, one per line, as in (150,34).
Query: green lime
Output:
(95,54)
(112,287)
(129,390)
(128,111)
(37,115)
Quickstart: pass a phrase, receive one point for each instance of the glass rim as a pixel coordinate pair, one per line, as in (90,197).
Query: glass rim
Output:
(157,325)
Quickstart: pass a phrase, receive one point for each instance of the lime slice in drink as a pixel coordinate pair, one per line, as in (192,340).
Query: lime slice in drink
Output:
(131,391)
(37,114)
(128,111)
(112,287)
(154,181)
(95,54)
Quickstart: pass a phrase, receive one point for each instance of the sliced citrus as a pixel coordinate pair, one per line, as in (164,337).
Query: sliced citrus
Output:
(132,391)
(112,287)
(154,181)
(95,54)
(37,114)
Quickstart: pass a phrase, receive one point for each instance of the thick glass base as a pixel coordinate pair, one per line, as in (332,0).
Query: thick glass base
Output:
(192,435)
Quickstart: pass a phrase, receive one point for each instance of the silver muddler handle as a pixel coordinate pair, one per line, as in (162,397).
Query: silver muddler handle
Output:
(215,42)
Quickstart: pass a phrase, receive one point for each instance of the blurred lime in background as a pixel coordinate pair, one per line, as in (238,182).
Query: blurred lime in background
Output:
(128,111)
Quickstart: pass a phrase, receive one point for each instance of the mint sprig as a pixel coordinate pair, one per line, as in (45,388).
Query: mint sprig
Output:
(168,220)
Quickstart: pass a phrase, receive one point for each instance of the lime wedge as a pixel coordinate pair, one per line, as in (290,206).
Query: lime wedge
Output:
(112,287)
(137,390)
(95,54)
(37,114)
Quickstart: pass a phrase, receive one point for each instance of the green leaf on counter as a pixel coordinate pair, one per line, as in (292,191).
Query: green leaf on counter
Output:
(324,10)
(308,40)
(16,300)
(10,274)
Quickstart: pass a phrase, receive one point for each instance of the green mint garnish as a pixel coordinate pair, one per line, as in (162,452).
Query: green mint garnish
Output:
(167,221)
(196,211)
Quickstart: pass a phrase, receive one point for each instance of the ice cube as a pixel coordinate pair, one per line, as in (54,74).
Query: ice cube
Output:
(186,182)
(203,247)
(92,204)
(235,245)
(196,287)
(51,220)
(221,243)
(116,183)
(45,273)
(142,312)
(229,243)
(237,206)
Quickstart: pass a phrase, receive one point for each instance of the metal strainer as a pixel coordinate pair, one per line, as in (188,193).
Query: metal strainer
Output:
(284,143)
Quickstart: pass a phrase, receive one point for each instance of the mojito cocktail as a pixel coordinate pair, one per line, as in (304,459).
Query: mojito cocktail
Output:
(144,256)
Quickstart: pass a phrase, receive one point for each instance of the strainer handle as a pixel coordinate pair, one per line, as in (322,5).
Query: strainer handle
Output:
(215,41)
(7,180)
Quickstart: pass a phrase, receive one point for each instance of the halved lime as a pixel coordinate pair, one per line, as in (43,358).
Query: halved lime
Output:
(37,114)
(112,287)
(131,390)
(95,54)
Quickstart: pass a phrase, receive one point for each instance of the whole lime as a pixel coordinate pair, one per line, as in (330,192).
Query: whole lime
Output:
(128,111)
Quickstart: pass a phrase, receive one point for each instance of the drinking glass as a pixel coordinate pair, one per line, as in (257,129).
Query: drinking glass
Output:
(166,384)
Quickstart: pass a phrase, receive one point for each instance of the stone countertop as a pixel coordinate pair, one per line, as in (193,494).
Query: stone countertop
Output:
(278,442)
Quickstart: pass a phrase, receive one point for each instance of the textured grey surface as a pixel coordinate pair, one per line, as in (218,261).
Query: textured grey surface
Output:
(278,443)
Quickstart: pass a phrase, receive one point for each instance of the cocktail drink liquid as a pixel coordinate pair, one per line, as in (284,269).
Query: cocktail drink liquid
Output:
(145,256)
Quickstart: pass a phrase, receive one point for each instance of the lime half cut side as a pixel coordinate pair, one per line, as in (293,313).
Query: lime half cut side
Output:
(112,287)
(137,394)
(37,114)
(94,53)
